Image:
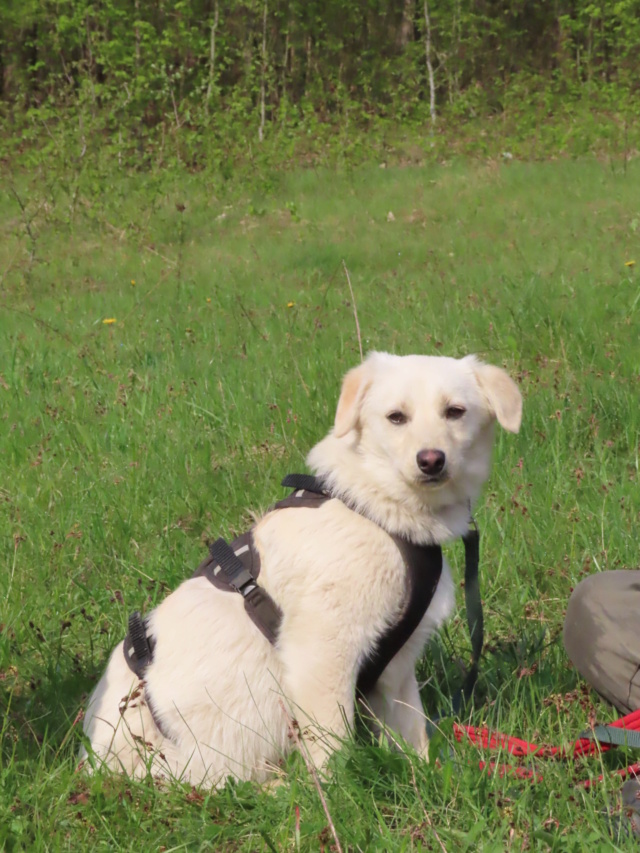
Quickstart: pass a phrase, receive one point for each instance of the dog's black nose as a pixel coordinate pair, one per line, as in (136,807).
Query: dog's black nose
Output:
(431,462)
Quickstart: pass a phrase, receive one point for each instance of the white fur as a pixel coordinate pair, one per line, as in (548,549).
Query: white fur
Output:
(223,695)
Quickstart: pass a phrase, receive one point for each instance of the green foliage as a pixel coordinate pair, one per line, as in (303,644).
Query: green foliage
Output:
(202,81)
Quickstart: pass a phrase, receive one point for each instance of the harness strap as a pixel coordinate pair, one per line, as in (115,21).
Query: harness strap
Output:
(264,612)
(138,653)
(138,645)
(475,623)
(236,567)
(237,576)
(614,736)
(473,605)
(307,482)
(423,570)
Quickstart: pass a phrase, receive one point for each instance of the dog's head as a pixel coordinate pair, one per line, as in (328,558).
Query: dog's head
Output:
(424,425)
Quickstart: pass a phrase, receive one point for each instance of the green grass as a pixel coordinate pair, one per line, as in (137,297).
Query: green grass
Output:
(124,447)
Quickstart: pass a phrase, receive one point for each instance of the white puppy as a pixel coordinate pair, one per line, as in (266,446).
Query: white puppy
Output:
(408,455)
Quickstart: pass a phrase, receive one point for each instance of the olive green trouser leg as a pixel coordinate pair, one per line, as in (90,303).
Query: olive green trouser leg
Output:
(602,635)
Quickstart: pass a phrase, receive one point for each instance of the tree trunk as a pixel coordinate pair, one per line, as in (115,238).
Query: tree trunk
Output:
(212,56)
(427,48)
(405,31)
(264,74)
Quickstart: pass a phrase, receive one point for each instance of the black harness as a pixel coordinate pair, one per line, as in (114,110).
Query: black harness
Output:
(235,567)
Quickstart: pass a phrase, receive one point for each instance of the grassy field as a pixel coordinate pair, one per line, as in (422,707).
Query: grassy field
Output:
(170,348)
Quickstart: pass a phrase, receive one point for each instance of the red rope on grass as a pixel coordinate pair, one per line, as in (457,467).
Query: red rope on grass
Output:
(486,739)
(632,770)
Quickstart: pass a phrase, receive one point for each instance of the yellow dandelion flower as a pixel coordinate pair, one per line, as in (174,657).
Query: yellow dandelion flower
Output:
(133,282)
(629,263)
(109,321)
(290,304)
(208,299)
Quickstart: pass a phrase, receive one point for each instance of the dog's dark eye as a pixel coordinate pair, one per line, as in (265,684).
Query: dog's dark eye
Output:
(397,418)
(454,413)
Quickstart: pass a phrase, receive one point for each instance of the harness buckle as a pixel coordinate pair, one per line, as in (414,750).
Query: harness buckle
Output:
(232,568)
(246,586)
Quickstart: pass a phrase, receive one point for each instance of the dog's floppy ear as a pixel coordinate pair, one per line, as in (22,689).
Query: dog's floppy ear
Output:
(501,392)
(354,388)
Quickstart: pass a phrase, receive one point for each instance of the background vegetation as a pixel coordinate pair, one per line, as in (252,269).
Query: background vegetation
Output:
(212,82)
